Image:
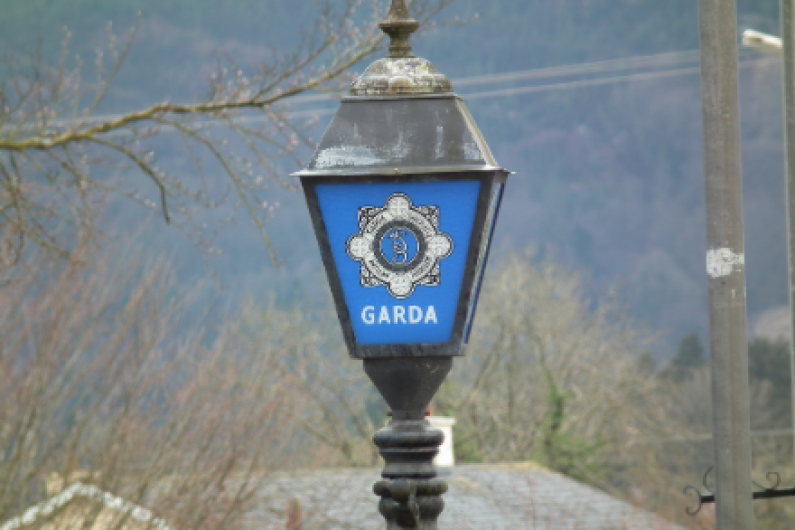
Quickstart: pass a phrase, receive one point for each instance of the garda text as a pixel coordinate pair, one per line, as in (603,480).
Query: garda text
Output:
(399,314)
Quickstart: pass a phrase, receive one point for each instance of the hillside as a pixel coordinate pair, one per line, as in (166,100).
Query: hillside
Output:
(608,172)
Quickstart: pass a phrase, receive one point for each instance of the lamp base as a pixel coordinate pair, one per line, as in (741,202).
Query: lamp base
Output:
(411,494)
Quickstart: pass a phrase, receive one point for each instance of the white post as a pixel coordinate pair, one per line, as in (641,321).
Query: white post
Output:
(446,456)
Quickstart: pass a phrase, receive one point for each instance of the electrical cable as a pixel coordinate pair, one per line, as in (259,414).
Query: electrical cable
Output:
(561,86)
(642,61)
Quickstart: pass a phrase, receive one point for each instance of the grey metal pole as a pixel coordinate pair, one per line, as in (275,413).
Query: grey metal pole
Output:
(725,264)
(788,75)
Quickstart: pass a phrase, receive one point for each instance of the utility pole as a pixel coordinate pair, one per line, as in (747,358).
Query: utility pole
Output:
(726,264)
(788,75)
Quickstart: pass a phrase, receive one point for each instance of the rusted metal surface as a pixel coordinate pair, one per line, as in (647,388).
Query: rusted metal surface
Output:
(725,264)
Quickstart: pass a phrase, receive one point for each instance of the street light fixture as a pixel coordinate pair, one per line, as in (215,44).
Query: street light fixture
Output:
(761,41)
(404,194)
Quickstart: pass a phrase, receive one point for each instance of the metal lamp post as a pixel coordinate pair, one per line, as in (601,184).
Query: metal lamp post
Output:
(404,193)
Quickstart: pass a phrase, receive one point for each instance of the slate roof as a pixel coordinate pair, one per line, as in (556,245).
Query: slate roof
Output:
(482,497)
(55,513)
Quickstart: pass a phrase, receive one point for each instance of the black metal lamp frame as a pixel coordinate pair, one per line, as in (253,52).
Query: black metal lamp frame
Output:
(404,101)
(408,375)
(476,259)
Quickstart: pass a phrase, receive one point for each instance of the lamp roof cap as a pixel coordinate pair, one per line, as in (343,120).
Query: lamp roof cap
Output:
(400,72)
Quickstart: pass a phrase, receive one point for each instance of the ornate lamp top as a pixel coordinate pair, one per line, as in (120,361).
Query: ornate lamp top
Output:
(399,26)
(401,72)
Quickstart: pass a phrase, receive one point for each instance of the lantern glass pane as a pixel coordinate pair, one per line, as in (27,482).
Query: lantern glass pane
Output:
(483,255)
(400,251)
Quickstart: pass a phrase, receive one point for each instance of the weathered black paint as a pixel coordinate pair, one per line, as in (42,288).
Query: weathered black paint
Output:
(411,495)
(411,133)
(401,135)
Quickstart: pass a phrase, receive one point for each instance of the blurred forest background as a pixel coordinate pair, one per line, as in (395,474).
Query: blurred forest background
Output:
(608,171)
(595,104)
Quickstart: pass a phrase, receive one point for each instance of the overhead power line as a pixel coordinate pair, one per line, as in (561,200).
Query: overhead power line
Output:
(612,65)
(580,83)
(643,61)
(666,60)
(599,81)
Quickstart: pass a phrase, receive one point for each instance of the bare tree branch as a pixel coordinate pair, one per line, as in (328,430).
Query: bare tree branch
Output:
(241,128)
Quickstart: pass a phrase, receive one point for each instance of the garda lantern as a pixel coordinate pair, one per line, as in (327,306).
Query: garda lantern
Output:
(404,194)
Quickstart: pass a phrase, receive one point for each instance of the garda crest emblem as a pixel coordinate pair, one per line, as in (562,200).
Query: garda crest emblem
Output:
(399,246)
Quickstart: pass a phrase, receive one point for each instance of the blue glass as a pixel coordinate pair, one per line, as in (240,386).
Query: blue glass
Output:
(383,233)
(491,221)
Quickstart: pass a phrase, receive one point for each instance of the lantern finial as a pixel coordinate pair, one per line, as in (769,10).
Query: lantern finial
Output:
(399,26)
(400,72)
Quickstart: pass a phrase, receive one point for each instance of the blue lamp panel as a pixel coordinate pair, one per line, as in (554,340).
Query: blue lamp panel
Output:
(400,251)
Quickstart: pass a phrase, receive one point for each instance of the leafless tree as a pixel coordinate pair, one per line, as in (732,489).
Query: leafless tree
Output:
(59,160)
(544,363)
(555,375)
(94,384)
(558,376)
(329,392)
